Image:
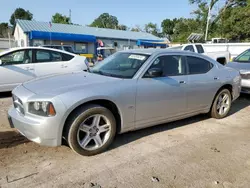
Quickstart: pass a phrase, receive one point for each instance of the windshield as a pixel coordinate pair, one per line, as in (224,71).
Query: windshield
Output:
(120,65)
(244,57)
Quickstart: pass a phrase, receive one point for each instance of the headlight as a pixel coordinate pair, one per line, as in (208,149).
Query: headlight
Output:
(42,108)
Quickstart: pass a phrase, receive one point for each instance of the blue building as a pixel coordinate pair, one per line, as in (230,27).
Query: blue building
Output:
(84,39)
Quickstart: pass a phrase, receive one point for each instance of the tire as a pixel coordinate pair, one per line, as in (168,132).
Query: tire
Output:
(83,134)
(219,104)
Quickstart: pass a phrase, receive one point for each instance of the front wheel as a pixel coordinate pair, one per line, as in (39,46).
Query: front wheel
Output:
(221,105)
(91,130)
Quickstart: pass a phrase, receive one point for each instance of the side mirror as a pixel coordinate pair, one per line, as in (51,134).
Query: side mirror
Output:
(154,72)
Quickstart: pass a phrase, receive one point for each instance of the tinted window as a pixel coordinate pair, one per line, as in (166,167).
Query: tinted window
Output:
(47,56)
(198,65)
(68,49)
(17,57)
(200,49)
(42,56)
(66,57)
(170,65)
(244,57)
(189,48)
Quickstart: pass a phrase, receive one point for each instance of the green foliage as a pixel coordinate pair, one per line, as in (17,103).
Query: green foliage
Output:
(59,18)
(122,27)
(235,23)
(137,28)
(168,26)
(105,20)
(22,14)
(3,30)
(152,28)
(184,27)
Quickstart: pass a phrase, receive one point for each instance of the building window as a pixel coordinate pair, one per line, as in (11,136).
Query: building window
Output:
(81,48)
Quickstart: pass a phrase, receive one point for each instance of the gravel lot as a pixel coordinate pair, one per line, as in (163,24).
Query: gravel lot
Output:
(195,152)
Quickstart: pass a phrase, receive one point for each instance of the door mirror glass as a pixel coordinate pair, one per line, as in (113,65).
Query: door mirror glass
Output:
(155,72)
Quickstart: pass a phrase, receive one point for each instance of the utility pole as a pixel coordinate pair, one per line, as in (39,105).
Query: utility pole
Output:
(208,20)
(70,16)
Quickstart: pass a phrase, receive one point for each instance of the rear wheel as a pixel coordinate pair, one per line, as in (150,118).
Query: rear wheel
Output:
(90,130)
(222,104)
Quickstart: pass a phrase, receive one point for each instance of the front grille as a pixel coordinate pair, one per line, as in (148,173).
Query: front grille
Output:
(245,76)
(18,104)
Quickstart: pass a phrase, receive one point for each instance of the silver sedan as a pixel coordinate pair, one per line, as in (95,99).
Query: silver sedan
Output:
(242,64)
(129,90)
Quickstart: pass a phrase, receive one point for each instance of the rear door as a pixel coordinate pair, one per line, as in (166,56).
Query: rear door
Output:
(48,62)
(202,84)
(16,68)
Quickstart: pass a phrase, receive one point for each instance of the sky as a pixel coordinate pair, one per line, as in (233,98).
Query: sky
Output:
(83,12)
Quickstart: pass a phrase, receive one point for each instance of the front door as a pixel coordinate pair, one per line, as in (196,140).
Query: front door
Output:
(16,68)
(161,98)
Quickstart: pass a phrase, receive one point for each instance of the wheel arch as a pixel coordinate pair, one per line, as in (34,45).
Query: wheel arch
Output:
(109,104)
(225,86)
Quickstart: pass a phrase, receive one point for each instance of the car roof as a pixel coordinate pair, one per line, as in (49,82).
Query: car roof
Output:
(39,47)
(155,51)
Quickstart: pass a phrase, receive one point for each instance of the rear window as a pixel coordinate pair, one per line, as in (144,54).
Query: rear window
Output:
(66,57)
(198,66)
(200,49)
(189,48)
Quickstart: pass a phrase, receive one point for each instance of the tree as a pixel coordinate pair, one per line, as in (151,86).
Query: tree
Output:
(137,28)
(4,30)
(122,27)
(105,20)
(59,18)
(152,28)
(184,27)
(235,23)
(22,14)
(168,26)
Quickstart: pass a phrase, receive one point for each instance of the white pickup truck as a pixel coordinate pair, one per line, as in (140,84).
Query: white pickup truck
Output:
(221,57)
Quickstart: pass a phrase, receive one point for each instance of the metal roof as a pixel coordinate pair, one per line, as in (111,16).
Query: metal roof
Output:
(28,26)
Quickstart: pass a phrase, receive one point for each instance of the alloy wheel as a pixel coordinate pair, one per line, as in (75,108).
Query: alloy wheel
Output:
(94,132)
(223,104)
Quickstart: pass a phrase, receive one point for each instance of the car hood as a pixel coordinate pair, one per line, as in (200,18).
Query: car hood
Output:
(58,84)
(239,66)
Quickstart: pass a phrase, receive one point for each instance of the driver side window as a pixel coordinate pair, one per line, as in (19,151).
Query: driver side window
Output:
(170,65)
(17,57)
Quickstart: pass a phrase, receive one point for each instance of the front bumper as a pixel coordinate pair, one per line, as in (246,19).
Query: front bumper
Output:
(35,130)
(45,131)
(245,86)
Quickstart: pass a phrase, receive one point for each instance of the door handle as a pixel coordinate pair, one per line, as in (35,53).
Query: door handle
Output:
(182,82)
(64,66)
(28,68)
(216,78)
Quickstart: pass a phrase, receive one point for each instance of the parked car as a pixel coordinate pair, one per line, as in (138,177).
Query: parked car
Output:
(221,57)
(19,65)
(242,64)
(129,90)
